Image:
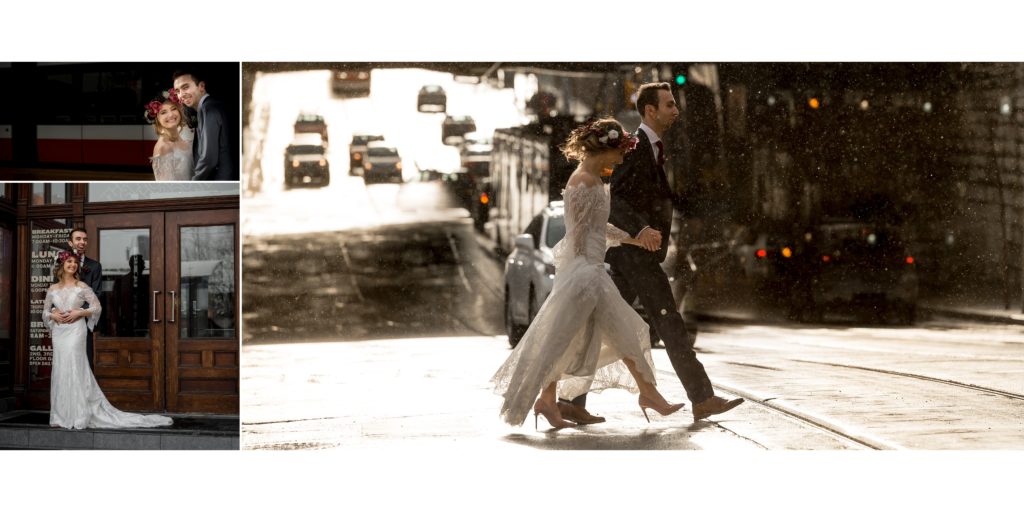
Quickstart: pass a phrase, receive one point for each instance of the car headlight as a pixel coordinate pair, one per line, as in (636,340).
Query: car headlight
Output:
(295,163)
(323,162)
(398,166)
(368,166)
(357,156)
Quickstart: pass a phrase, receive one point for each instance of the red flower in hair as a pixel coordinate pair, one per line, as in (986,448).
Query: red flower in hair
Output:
(153,107)
(152,110)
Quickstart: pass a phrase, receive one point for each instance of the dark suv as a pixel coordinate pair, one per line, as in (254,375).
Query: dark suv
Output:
(305,162)
(383,164)
(857,266)
(357,152)
(454,129)
(311,123)
(431,98)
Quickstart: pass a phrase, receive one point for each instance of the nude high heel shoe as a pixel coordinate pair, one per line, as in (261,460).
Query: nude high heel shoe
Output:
(664,410)
(550,413)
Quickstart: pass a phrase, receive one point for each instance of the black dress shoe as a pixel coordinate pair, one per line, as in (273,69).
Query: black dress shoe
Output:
(577,414)
(714,405)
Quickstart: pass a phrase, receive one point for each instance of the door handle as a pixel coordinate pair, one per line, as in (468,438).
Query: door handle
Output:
(155,293)
(173,304)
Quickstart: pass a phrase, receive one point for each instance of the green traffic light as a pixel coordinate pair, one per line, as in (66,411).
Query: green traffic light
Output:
(680,79)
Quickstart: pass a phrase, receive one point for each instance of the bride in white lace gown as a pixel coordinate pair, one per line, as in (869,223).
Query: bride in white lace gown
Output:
(585,337)
(76,400)
(172,153)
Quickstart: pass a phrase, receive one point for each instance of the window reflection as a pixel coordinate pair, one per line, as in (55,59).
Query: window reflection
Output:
(124,292)
(49,193)
(207,307)
(99,192)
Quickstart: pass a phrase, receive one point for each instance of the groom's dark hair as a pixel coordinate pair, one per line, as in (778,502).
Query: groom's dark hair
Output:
(196,77)
(71,235)
(646,95)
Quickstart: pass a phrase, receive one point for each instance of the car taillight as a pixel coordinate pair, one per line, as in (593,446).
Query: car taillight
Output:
(295,163)
(484,199)
(826,258)
(909,260)
(761,253)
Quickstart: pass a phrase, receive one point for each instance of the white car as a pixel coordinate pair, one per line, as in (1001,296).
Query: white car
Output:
(530,269)
(530,272)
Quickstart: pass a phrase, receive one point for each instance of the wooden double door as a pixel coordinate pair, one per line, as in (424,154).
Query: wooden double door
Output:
(168,337)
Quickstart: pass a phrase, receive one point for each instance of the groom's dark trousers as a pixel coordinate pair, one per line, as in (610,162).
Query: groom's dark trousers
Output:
(637,273)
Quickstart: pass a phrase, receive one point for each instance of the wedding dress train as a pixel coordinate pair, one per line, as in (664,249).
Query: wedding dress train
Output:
(76,400)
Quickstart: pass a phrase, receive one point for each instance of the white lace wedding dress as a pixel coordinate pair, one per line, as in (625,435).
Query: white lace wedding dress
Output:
(176,165)
(76,400)
(584,328)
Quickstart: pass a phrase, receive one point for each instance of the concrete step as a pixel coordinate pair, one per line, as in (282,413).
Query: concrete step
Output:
(31,430)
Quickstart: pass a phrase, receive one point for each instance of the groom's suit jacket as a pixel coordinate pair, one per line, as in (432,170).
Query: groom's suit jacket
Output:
(641,196)
(211,149)
(91,274)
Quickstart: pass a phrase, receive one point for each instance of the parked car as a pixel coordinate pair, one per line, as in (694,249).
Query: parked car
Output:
(766,260)
(357,152)
(853,266)
(454,128)
(308,122)
(305,162)
(530,270)
(431,98)
(348,82)
(383,164)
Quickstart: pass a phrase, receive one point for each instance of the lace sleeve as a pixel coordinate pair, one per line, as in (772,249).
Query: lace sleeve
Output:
(94,308)
(163,167)
(614,235)
(47,306)
(580,204)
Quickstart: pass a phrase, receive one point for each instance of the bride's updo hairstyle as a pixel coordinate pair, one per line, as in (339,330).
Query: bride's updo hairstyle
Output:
(58,267)
(597,136)
(170,98)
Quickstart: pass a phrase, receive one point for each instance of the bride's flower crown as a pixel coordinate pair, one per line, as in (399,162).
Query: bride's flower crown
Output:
(153,107)
(608,135)
(64,255)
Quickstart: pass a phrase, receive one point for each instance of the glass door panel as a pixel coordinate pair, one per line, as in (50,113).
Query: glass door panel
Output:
(129,337)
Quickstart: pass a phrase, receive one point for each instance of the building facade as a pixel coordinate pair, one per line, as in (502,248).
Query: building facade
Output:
(168,336)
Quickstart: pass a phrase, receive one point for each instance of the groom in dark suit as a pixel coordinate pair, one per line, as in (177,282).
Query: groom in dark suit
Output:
(90,272)
(211,150)
(641,205)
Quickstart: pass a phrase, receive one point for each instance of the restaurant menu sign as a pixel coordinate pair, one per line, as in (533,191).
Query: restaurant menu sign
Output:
(47,242)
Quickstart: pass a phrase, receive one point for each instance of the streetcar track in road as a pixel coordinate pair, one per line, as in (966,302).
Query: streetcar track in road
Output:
(947,382)
(352,277)
(775,405)
(458,260)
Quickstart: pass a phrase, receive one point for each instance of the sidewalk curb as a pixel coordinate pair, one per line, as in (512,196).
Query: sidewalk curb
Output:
(972,315)
(709,316)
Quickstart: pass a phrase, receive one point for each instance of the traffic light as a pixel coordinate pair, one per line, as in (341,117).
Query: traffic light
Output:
(680,78)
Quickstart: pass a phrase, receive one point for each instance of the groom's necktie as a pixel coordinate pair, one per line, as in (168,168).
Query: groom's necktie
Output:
(661,153)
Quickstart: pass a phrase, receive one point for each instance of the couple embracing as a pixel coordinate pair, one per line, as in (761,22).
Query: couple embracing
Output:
(586,336)
(181,154)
